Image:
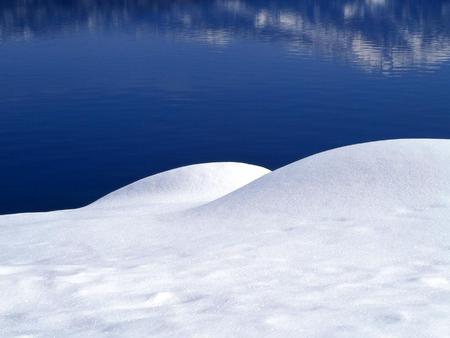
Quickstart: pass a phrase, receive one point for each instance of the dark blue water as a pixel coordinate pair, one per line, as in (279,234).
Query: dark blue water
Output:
(96,94)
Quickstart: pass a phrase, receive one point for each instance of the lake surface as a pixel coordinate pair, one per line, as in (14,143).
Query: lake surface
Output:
(96,94)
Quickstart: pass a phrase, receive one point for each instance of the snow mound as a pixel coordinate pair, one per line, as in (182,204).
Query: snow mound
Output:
(189,184)
(358,181)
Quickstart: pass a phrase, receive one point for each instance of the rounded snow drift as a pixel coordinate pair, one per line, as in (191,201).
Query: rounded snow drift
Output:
(358,181)
(190,184)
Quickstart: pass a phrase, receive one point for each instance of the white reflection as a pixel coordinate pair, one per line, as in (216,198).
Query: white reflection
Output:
(377,35)
(214,37)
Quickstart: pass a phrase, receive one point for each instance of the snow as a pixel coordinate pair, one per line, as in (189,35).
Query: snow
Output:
(352,242)
(359,181)
(191,184)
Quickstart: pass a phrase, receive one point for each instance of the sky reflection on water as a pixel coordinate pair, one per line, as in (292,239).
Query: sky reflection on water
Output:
(378,35)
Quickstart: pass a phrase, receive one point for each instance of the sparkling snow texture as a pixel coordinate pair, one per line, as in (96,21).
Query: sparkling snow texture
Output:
(352,242)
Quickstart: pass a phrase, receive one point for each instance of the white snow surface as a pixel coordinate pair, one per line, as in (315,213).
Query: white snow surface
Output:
(352,242)
(191,184)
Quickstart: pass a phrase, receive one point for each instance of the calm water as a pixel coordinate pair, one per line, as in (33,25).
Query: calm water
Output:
(95,94)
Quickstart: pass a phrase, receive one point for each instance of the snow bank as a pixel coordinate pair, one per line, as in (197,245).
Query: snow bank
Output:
(190,184)
(361,181)
(353,242)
